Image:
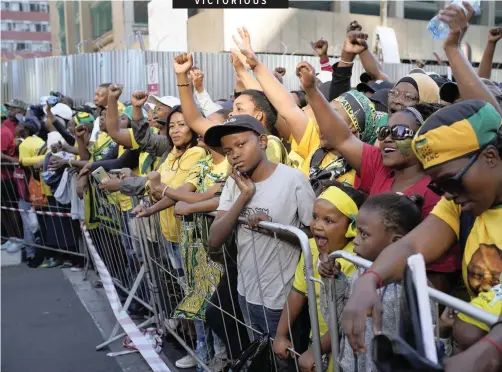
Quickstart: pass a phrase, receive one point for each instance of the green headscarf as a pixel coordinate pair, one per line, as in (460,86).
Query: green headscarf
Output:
(361,113)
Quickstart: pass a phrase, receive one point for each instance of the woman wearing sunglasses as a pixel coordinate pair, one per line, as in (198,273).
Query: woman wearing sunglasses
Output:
(390,167)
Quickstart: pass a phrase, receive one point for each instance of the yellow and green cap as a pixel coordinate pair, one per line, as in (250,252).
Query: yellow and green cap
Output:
(83,118)
(456,131)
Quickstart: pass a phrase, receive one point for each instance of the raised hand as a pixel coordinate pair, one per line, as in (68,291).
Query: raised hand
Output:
(355,42)
(114,91)
(183,63)
(280,70)
(458,21)
(81,131)
(244,45)
(354,26)
(197,79)
(321,48)
(494,34)
(306,74)
(139,98)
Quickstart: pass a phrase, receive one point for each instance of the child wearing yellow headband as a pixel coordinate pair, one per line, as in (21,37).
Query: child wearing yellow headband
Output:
(333,228)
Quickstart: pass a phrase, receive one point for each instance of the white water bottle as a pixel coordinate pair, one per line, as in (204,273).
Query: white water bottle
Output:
(439,29)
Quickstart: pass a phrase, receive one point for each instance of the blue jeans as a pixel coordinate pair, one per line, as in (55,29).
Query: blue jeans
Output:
(259,317)
(29,235)
(174,254)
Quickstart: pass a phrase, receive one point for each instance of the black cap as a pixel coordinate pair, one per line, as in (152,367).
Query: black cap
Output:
(381,97)
(374,87)
(365,77)
(440,80)
(235,124)
(449,92)
(30,122)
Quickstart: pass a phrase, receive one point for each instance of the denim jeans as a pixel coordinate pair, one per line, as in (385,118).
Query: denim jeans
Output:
(216,346)
(174,254)
(29,234)
(259,317)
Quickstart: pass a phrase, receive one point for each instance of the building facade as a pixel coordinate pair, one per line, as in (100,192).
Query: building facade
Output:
(25,29)
(90,26)
(290,31)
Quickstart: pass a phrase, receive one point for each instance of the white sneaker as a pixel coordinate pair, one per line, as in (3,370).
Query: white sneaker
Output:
(187,361)
(14,247)
(217,364)
(7,244)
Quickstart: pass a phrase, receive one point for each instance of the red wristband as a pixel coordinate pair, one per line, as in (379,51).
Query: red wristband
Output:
(492,341)
(380,281)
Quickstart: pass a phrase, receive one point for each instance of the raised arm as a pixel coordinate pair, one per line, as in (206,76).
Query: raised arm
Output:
(146,140)
(81,132)
(485,66)
(121,136)
(238,60)
(129,159)
(182,64)
(332,126)
(206,103)
(276,93)
(469,84)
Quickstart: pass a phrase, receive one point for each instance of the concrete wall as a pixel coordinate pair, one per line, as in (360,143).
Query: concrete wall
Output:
(291,31)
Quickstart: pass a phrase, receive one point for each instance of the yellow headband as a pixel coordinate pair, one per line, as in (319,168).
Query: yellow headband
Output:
(344,204)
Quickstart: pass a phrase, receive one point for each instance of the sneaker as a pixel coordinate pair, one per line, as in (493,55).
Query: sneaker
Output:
(48,263)
(66,265)
(187,361)
(14,247)
(217,364)
(6,245)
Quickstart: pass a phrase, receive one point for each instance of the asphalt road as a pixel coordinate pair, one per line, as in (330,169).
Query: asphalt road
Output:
(45,327)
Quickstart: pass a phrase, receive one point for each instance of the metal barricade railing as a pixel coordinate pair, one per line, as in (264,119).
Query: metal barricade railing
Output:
(211,287)
(41,217)
(119,243)
(434,294)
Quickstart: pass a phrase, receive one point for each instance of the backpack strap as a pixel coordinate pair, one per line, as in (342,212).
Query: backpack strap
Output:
(317,157)
(41,150)
(466,223)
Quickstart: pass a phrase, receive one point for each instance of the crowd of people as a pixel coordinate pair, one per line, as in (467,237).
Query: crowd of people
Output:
(381,171)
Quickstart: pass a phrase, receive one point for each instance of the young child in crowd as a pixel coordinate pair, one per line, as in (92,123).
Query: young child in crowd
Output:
(333,228)
(258,190)
(382,220)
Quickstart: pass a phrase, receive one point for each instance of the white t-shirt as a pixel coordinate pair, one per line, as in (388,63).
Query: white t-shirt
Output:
(266,266)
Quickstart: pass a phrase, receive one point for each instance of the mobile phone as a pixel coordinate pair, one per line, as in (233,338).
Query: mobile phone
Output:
(100,175)
(51,100)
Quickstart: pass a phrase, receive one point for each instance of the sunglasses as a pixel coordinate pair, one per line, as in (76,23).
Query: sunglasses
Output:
(452,185)
(397,132)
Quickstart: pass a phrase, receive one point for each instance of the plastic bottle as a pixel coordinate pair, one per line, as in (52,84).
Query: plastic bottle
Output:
(202,354)
(439,29)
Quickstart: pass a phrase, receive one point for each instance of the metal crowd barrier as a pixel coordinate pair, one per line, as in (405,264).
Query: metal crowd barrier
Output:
(31,215)
(434,295)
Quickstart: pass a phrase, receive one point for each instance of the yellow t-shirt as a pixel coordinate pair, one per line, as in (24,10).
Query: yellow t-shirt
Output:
(215,173)
(488,301)
(29,151)
(300,283)
(310,142)
(173,173)
(276,152)
(482,260)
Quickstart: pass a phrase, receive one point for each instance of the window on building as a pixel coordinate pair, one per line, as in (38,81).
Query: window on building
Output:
(25,7)
(4,26)
(5,5)
(192,12)
(101,12)
(44,8)
(21,46)
(141,12)
(34,7)
(312,5)
(365,7)
(15,7)
(46,28)
(421,10)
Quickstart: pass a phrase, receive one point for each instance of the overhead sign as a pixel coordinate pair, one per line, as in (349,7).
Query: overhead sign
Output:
(152,71)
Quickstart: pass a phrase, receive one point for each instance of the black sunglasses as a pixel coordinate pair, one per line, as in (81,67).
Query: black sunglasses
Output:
(397,132)
(452,185)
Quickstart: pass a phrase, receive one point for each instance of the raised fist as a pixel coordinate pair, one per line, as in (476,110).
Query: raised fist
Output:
(183,63)
(114,91)
(306,74)
(139,98)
